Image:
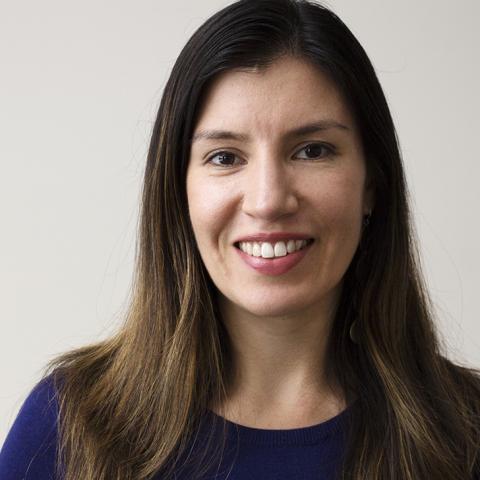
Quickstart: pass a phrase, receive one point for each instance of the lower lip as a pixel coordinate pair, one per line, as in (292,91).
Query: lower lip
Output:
(274,266)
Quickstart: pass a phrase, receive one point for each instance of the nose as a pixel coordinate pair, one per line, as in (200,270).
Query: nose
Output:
(269,193)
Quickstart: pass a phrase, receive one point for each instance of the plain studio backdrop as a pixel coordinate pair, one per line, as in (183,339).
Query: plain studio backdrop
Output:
(80,86)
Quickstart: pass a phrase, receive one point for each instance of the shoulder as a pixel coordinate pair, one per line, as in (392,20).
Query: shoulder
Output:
(30,447)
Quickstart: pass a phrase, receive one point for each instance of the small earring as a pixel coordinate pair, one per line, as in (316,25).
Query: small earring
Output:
(366,219)
(353,332)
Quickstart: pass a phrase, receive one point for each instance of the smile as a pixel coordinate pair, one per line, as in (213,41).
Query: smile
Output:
(273,265)
(280,248)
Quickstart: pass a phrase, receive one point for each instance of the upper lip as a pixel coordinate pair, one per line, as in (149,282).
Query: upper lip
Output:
(272,237)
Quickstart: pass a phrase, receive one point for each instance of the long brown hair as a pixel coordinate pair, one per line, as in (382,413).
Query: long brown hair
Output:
(129,405)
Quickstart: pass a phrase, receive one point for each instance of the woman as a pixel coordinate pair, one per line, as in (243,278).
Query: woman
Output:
(279,326)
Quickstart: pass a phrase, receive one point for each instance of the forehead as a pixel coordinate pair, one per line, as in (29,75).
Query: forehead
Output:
(288,92)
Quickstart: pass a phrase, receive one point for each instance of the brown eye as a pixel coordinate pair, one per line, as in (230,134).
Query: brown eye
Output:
(222,159)
(317,150)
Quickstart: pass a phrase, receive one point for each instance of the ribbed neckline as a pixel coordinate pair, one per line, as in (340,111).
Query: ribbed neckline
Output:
(282,437)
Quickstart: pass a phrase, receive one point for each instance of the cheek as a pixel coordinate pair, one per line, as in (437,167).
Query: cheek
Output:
(209,208)
(338,197)
(338,210)
(338,203)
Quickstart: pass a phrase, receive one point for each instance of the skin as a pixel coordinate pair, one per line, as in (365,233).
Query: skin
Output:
(278,325)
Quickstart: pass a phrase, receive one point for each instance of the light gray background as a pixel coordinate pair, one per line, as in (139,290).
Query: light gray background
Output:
(80,83)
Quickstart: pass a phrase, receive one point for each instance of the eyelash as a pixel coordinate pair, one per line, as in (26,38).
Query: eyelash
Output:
(329,148)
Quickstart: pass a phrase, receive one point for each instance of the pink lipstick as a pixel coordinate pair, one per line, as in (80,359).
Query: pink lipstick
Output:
(274,266)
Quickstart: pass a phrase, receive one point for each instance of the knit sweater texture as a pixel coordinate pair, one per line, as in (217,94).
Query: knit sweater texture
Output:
(308,453)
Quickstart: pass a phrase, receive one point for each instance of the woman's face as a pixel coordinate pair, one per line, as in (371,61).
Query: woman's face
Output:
(276,159)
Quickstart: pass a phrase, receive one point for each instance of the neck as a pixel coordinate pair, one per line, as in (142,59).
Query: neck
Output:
(279,368)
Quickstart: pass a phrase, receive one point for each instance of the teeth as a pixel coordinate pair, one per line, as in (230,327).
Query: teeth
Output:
(269,250)
(280,249)
(291,246)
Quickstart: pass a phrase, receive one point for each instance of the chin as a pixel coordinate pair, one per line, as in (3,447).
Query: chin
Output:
(271,308)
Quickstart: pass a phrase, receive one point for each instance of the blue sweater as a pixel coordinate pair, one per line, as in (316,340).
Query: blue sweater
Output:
(310,453)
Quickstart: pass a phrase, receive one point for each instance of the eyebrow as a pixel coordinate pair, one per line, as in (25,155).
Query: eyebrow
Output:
(314,127)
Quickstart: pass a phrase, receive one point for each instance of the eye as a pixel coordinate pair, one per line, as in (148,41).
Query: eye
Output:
(317,150)
(222,159)
(314,151)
